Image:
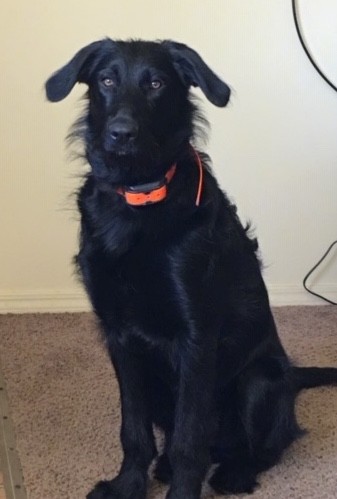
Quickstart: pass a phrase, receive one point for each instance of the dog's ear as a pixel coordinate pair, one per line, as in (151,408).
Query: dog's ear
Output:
(194,71)
(61,83)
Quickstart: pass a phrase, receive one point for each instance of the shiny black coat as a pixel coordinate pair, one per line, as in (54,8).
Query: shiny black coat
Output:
(177,287)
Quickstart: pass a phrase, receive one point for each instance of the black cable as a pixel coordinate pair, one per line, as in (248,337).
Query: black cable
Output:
(306,50)
(314,268)
(326,79)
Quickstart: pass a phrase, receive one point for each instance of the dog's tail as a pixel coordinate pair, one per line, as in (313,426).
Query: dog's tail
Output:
(310,377)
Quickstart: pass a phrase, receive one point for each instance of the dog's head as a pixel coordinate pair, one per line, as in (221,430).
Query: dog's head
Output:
(139,112)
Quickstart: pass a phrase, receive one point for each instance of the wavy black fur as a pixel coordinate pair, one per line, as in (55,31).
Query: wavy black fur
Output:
(177,287)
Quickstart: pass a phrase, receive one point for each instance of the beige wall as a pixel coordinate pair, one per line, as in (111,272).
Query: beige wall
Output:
(274,148)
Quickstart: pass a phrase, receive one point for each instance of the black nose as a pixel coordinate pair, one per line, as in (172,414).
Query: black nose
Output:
(123,130)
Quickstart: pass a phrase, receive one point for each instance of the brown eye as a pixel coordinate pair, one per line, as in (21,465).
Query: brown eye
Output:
(108,82)
(155,84)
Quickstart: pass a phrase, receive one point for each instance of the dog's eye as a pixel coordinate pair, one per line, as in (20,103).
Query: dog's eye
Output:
(155,84)
(108,82)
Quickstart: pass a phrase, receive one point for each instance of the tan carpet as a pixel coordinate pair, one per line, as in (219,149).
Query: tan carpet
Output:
(65,406)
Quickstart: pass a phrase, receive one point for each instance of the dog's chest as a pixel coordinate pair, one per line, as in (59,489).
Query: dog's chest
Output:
(141,294)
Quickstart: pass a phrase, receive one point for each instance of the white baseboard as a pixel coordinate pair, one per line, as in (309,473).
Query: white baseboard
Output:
(293,294)
(48,300)
(43,301)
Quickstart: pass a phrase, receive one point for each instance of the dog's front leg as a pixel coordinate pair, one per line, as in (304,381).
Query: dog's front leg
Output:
(136,431)
(194,419)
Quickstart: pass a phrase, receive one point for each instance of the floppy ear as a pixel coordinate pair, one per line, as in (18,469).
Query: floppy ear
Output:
(61,83)
(194,71)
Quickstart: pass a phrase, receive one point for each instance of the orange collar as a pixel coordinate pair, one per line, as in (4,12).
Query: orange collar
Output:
(153,192)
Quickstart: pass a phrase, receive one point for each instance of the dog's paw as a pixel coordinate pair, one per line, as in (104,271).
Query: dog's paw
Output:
(119,488)
(163,470)
(102,490)
(233,480)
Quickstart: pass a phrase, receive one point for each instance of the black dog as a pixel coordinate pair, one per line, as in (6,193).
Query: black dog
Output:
(174,279)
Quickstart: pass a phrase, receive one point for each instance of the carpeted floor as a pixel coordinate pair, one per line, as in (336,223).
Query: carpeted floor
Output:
(64,405)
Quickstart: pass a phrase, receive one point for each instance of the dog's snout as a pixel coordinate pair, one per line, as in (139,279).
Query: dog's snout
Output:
(123,130)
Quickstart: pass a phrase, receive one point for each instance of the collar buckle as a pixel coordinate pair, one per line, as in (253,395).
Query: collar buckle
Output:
(144,194)
(150,193)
